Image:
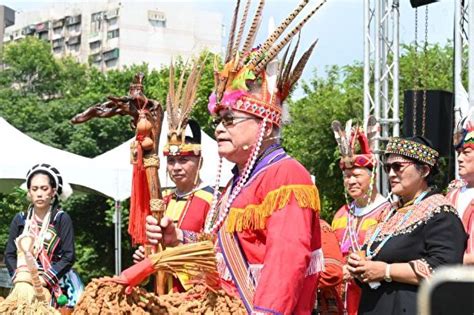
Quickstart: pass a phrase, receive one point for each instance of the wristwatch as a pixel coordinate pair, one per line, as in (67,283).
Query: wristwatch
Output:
(387,276)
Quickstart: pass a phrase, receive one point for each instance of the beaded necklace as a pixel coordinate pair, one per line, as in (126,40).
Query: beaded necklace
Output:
(352,231)
(372,253)
(216,216)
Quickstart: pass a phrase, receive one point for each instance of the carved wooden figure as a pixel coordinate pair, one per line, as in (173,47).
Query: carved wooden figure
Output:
(147,118)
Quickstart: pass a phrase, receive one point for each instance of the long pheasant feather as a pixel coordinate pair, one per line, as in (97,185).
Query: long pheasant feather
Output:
(298,70)
(230,44)
(289,66)
(241,28)
(253,28)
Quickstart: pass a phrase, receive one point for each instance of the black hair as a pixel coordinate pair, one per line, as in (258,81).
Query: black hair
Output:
(52,182)
(196,132)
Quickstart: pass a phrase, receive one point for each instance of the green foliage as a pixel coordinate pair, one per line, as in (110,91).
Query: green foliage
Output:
(39,95)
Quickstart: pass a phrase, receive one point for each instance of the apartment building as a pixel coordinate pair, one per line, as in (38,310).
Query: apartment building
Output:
(113,34)
(7,18)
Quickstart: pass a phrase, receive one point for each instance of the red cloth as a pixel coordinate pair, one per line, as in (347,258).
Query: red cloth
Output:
(329,295)
(467,218)
(135,274)
(193,209)
(285,246)
(139,200)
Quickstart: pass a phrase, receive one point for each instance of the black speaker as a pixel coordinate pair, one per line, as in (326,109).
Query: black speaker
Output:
(419,3)
(439,118)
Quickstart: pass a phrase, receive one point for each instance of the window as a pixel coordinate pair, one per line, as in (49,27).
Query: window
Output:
(95,58)
(111,54)
(96,21)
(58,23)
(28,30)
(95,45)
(74,28)
(113,34)
(157,18)
(74,40)
(58,43)
(113,21)
(111,14)
(71,20)
(111,63)
(58,50)
(43,35)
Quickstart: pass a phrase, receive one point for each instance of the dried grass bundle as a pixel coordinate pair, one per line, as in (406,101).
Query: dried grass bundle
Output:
(198,260)
(28,295)
(22,301)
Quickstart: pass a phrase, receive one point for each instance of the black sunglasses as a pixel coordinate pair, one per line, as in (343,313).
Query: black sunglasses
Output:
(229,120)
(397,167)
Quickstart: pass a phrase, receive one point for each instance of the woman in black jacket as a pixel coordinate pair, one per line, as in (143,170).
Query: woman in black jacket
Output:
(50,226)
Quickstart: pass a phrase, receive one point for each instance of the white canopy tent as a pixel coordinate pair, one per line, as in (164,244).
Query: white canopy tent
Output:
(20,153)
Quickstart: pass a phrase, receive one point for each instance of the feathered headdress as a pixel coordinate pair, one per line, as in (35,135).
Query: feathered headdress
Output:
(346,141)
(464,134)
(249,72)
(179,103)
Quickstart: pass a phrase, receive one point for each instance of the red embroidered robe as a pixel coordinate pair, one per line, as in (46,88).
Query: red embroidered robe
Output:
(365,222)
(467,217)
(275,223)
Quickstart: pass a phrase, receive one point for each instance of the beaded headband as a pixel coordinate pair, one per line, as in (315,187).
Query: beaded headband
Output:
(413,150)
(252,80)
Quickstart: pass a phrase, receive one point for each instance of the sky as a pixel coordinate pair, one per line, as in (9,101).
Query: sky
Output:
(338,25)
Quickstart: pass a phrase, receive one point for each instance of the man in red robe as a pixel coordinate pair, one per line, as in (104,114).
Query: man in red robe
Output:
(266,224)
(356,217)
(461,192)
(189,202)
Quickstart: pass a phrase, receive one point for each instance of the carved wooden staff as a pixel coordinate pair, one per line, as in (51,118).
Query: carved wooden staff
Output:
(147,118)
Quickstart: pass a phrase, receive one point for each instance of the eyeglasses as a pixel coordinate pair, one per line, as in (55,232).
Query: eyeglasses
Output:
(229,120)
(397,167)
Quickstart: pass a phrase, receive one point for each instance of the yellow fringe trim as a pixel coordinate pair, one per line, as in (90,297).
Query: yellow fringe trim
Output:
(254,217)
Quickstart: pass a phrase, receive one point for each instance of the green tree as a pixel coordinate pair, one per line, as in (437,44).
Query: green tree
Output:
(339,95)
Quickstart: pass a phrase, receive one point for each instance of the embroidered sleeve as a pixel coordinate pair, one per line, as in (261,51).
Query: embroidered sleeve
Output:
(421,268)
(445,241)
(64,254)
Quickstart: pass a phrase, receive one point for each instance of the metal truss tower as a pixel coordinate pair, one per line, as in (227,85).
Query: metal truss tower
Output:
(381,71)
(463,32)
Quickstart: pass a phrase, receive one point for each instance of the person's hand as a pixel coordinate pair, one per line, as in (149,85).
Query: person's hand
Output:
(139,255)
(366,270)
(346,275)
(166,231)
